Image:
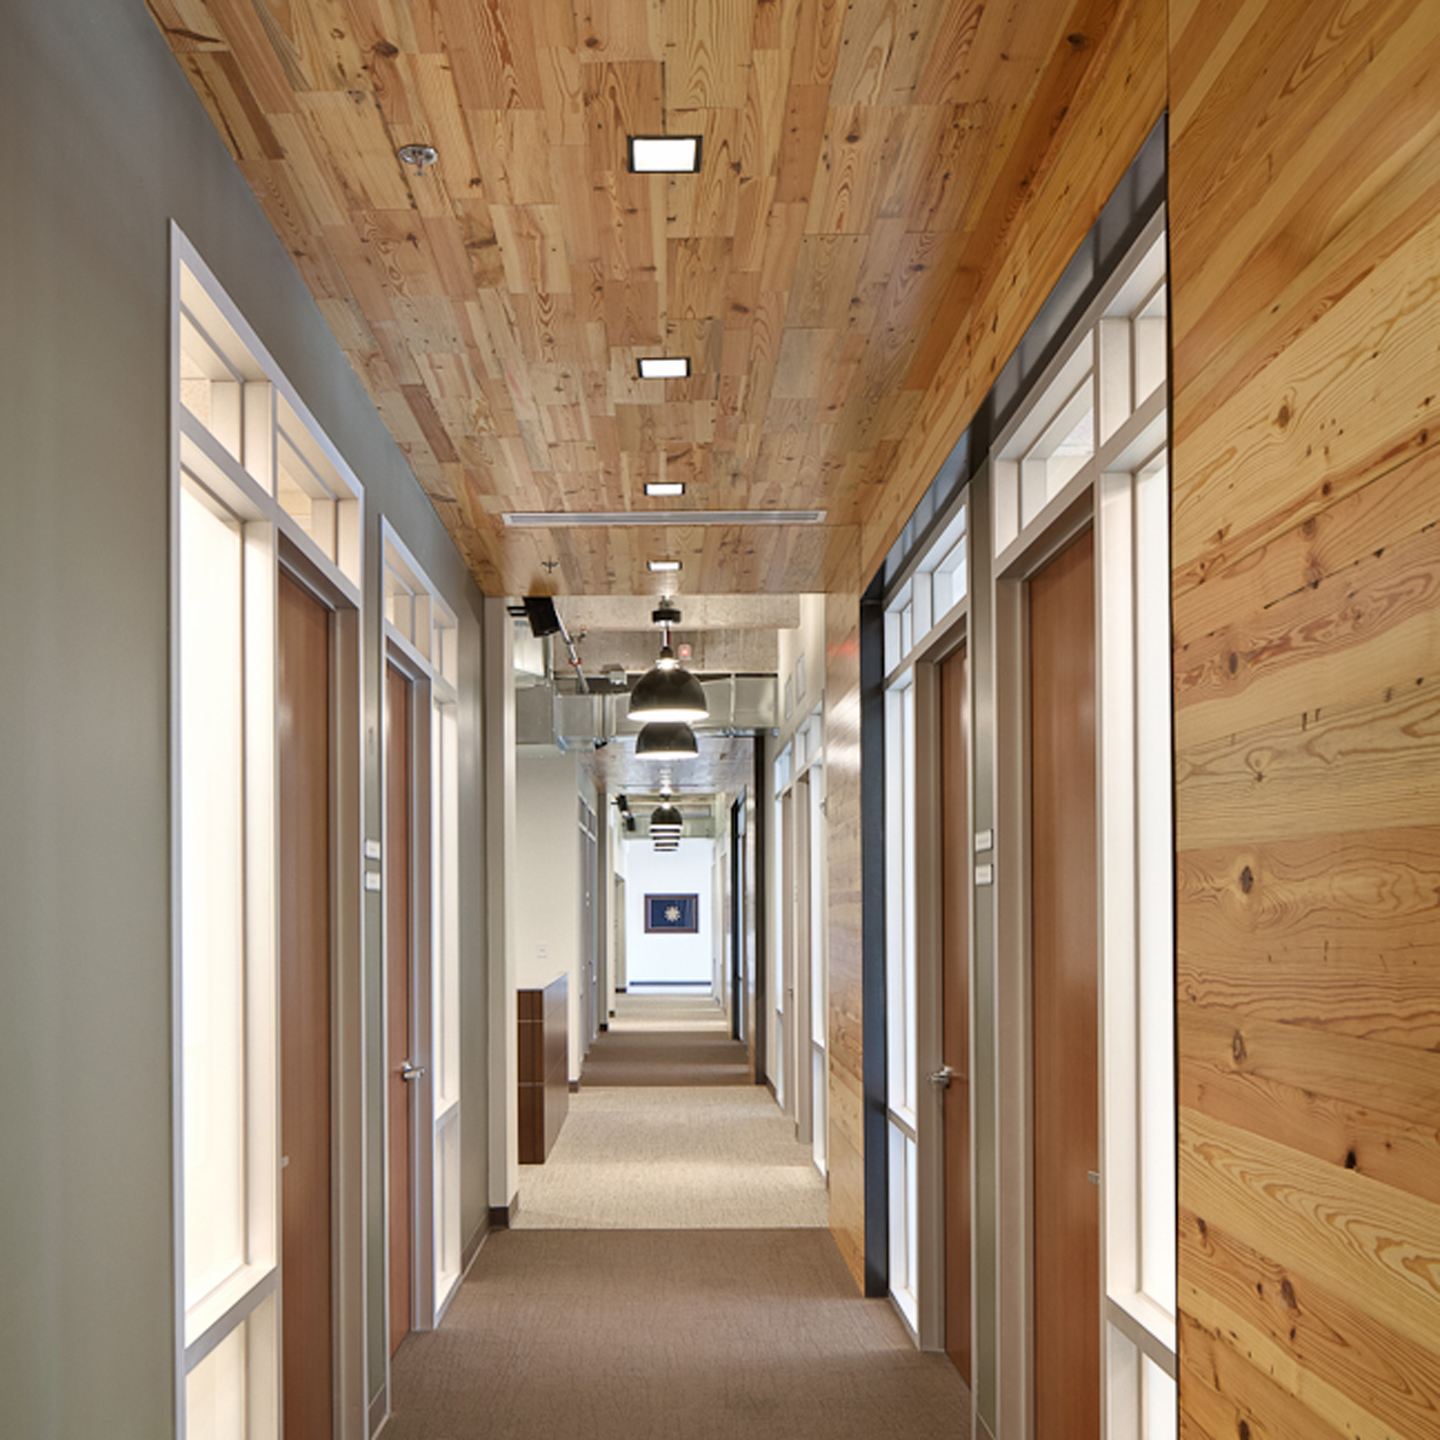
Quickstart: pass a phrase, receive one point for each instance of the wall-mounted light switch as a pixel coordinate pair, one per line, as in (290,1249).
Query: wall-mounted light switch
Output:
(984,840)
(372,879)
(984,874)
(372,849)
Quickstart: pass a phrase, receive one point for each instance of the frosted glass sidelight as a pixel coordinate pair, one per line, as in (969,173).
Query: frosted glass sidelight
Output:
(212,829)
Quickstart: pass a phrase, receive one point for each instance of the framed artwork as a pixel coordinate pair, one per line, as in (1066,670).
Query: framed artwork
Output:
(672,914)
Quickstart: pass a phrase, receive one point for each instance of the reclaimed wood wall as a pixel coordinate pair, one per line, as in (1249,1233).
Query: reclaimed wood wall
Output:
(1305,242)
(1087,82)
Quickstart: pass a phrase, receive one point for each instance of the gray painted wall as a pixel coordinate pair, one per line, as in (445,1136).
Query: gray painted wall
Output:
(105,144)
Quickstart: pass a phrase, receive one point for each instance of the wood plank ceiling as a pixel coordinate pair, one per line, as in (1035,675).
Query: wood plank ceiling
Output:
(861,165)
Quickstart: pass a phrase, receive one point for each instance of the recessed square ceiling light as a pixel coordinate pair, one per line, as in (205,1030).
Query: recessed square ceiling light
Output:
(664,154)
(664,367)
(664,565)
(665,487)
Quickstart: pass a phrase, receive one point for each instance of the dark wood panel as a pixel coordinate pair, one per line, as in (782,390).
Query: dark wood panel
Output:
(1065,995)
(399,987)
(303,825)
(956,861)
(544,1067)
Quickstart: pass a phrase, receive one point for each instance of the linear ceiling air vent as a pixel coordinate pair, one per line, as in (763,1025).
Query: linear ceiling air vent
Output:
(562,519)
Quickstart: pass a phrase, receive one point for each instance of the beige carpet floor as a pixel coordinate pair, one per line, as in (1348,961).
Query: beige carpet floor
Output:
(665,1335)
(644,1158)
(665,1010)
(666,1057)
(670,1277)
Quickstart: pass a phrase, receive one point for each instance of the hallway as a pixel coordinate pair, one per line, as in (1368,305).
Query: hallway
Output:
(670,1275)
(669,1335)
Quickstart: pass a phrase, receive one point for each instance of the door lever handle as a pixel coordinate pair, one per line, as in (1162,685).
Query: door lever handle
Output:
(411,1072)
(943,1076)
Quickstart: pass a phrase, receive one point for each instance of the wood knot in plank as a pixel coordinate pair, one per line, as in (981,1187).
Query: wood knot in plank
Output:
(1247,880)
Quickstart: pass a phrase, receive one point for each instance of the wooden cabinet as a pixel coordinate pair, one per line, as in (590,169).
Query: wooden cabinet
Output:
(544,1044)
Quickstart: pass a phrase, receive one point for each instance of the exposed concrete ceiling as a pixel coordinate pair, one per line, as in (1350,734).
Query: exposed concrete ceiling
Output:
(698,612)
(725,765)
(712,652)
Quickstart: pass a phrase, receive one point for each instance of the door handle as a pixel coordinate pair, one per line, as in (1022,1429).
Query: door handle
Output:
(411,1072)
(942,1077)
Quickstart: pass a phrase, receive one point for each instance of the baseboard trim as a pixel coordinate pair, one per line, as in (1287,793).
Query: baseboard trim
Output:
(503,1216)
(472,1246)
(379,1413)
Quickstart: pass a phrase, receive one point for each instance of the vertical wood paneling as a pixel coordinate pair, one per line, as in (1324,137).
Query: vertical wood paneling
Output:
(1305,243)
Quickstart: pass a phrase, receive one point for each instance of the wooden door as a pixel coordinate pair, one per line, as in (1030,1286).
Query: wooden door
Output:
(955,998)
(303,715)
(1065,993)
(399,980)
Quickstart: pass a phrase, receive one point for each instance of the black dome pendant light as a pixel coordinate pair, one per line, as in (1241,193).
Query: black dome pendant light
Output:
(667,740)
(666,824)
(668,692)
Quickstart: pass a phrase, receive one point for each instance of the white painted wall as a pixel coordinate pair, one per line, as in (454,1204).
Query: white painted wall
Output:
(547,878)
(686,871)
(802,658)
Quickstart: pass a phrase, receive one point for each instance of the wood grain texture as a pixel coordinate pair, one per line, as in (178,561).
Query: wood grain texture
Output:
(1305,191)
(865,166)
(1351,1371)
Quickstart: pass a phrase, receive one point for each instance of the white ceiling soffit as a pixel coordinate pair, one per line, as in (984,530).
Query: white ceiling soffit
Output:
(567,519)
